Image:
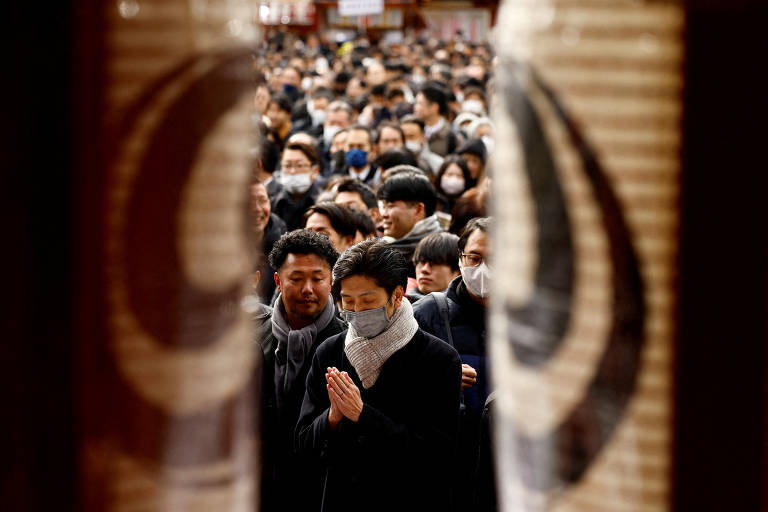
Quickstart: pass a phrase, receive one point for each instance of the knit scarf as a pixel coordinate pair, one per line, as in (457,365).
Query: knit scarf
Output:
(293,345)
(368,355)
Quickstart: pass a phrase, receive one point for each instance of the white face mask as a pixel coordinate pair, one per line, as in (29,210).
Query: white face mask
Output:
(318,117)
(364,120)
(296,183)
(413,146)
(490,143)
(477,280)
(452,185)
(306,83)
(329,132)
(459,96)
(474,106)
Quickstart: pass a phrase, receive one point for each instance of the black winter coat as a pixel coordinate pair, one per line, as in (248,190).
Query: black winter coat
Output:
(282,469)
(398,455)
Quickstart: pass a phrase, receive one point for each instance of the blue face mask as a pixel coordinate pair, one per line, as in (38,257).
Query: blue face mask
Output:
(289,88)
(369,323)
(357,158)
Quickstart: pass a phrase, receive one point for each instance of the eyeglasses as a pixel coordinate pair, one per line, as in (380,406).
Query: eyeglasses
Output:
(299,166)
(471,259)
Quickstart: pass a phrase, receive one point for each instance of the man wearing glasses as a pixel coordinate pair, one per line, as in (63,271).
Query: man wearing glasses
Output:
(463,307)
(299,168)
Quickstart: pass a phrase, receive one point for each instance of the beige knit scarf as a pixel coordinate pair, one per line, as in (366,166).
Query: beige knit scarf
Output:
(368,355)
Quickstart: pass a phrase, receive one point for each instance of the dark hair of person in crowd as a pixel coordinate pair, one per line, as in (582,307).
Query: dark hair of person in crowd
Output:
(434,92)
(476,91)
(473,225)
(474,147)
(282,101)
(394,93)
(470,205)
(349,184)
(410,118)
(392,125)
(374,259)
(363,223)
(438,248)
(397,156)
(411,187)
(457,160)
(302,241)
(322,92)
(379,90)
(309,151)
(341,221)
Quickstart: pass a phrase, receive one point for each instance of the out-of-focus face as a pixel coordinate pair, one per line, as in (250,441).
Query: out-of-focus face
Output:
(294,161)
(304,280)
(483,130)
(376,74)
(291,77)
(261,99)
(434,277)
(421,107)
(339,142)
(260,207)
(413,132)
(351,200)
(398,217)
(322,224)
(277,116)
(354,89)
(358,139)
(454,171)
(389,139)
(338,118)
(474,163)
(320,103)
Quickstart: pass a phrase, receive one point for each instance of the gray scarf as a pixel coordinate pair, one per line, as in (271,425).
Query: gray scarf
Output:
(293,345)
(368,355)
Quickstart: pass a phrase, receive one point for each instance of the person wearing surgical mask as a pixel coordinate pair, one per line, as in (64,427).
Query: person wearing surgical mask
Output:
(416,141)
(452,180)
(474,101)
(463,307)
(338,117)
(299,169)
(382,403)
(358,155)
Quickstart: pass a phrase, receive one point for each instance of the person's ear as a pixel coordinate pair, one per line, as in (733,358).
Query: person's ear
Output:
(277,282)
(398,296)
(347,240)
(256,279)
(419,210)
(375,214)
(314,172)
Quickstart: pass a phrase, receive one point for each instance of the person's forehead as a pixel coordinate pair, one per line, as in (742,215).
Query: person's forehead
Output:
(477,242)
(305,263)
(357,285)
(410,127)
(389,131)
(294,154)
(357,136)
(318,220)
(348,196)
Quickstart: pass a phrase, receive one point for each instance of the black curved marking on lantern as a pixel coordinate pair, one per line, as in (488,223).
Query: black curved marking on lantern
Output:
(539,326)
(152,219)
(171,309)
(562,456)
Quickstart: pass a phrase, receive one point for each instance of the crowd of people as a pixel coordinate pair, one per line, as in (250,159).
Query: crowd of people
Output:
(369,199)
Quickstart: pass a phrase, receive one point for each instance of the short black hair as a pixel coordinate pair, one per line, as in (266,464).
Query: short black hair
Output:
(392,125)
(302,241)
(349,184)
(375,259)
(473,225)
(322,92)
(363,223)
(411,187)
(410,118)
(438,248)
(397,156)
(341,221)
(435,93)
(309,151)
(282,101)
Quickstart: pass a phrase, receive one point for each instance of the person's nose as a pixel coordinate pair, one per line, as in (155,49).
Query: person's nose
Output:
(426,268)
(306,287)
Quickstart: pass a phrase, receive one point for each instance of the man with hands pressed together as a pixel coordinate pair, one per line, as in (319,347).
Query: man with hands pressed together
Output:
(382,400)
